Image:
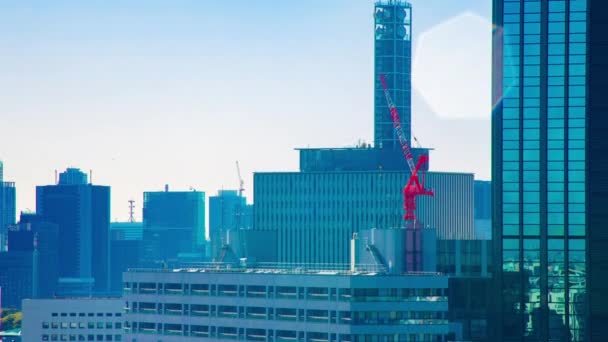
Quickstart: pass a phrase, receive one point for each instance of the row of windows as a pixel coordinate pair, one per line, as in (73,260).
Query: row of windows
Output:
(81,337)
(574,133)
(83,314)
(513,7)
(552,244)
(552,70)
(256,334)
(553,230)
(293,292)
(292,314)
(81,325)
(534,28)
(551,102)
(552,16)
(552,112)
(551,81)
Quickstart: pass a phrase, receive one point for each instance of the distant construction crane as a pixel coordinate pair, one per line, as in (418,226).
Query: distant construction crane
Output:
(241,183)
(131,211)
(414,187)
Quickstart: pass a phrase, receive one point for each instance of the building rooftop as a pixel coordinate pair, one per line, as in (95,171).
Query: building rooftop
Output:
(283,268)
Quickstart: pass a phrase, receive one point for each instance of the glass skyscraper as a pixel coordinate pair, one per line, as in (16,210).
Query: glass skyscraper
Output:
(393,58)
(550,170)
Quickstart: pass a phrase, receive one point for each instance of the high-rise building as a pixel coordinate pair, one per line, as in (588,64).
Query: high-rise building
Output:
(125,250)
(550,170)
(227,211)
(18,277)
(82,212)
(33,234)
(7,208)
(174,223)
(393,58)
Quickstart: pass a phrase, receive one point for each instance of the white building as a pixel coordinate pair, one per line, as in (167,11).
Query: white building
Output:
(284,305)
(78,319)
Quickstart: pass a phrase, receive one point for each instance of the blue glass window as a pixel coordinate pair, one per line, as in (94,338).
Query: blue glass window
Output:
(556,80)
(557,38)
(576,133)
(532,7)
(557,6)
(531,50)
(557,49)
(555,91)
(556,70)
(511,29)
(578,38)
(578,5)
(578,16)
(557,27)
(578,27)
(511,7)
(532,28)
(577,70)
(578,48)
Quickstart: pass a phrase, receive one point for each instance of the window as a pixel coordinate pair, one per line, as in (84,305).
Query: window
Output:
(45,325)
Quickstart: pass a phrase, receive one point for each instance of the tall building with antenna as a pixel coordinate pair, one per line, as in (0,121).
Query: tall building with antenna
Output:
(82,212)
(392,58)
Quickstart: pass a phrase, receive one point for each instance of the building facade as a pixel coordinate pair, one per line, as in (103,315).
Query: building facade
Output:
(483,210)
(82,212)
(316,213)
(283,305)
(74,319)
(18,277)
(32,234)
(173,223)
(7,208)
(550,170)
(393,58)
(227,211)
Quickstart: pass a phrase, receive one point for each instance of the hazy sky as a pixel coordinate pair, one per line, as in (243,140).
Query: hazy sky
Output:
(151,92)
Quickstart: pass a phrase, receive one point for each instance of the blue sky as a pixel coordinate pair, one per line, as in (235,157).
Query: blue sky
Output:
(152,92)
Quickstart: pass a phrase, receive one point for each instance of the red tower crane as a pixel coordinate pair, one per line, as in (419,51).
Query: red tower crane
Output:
(415,185)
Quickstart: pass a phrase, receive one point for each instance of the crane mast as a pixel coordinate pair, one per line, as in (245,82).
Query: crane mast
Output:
(414,187)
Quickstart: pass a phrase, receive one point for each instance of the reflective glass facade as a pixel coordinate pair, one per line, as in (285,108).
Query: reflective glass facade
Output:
(393,58)
(541,86)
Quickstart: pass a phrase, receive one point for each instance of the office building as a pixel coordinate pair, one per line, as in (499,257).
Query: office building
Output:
(314,214)
(32,234)
(127,230)
(227,211)
(550,170)
(174,223)
(126,246)
(7,208)
(483,210)
(256,304)
(74,319)
(393,58)
(82,212)
(18,277)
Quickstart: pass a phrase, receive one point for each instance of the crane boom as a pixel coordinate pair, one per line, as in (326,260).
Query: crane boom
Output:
(405,145)
(414,186)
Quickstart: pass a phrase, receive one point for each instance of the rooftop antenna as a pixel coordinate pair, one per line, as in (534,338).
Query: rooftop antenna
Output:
(131,211)
(56,182)
(90,176)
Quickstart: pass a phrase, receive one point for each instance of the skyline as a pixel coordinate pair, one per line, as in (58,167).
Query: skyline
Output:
(133,82)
